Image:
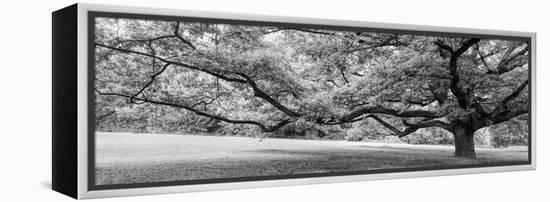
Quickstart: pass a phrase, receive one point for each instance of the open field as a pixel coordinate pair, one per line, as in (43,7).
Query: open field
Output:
(136,158)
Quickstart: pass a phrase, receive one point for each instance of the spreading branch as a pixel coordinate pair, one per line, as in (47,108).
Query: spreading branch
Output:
(301,30)
(152,79)
(362,110)
(263,127)
(247,80)
(410,128)
(261,94)
(481,56)
(461,96)
(215,74)
(420,102)
(515,93)
(506,115)
(500,113)
(511,62)
(387,111)
(174,35)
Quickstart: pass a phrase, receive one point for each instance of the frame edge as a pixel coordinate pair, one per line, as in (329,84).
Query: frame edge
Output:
(84,193)
(64,114)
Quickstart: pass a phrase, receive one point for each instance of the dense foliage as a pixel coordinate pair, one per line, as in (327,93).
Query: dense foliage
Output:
(164,76)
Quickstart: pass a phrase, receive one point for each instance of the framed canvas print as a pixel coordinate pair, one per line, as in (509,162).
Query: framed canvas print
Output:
(149,101)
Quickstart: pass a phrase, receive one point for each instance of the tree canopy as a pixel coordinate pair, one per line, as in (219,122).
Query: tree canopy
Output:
(270,77)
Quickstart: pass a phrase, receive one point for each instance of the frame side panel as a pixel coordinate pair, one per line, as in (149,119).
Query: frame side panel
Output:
(64,102)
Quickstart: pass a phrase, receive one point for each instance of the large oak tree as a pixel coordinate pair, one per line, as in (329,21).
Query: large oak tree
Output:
(269,77)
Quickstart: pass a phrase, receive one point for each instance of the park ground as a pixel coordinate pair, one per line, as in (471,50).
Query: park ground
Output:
(123,158)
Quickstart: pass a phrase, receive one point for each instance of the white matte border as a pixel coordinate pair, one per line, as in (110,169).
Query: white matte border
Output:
(82,105)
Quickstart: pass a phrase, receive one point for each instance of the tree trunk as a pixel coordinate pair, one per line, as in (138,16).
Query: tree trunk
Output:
(464,143)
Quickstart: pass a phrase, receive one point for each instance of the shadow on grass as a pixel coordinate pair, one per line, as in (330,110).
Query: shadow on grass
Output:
(266,162)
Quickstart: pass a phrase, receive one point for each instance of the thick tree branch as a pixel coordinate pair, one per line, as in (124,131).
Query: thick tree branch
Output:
(263,127)
(247,80)
(515,93)
(411,128)
(465,46)
(428,123)
(396,131)
(301,30)
(506,115)
(218,75)
(420,102)
(462,97)
(511,62)
(500,111)
(261,94)
(382,110)
(444,46)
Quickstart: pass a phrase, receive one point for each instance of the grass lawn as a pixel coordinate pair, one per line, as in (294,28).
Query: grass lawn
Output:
(123,158)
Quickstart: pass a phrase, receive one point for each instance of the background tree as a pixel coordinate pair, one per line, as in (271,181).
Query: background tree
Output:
(268,78)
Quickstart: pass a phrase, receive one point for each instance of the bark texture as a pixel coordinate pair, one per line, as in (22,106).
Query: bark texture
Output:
(464,142)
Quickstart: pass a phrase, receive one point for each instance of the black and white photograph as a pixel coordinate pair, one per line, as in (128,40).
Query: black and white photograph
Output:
(191,100)
(275,101)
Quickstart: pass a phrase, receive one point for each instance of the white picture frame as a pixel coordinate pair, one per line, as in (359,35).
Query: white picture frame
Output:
(81,165)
